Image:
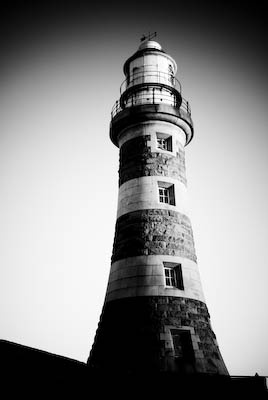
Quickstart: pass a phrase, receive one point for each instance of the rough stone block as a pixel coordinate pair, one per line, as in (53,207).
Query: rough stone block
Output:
(154,231)
(137,159)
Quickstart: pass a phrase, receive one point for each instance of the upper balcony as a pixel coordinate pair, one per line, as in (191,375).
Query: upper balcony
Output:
(151,107)
(150,94)
(153,97)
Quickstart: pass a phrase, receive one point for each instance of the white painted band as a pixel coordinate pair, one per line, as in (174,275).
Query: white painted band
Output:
(151,128)
(144,276)
(143,193)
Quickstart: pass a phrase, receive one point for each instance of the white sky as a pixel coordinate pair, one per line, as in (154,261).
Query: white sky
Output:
(58,177)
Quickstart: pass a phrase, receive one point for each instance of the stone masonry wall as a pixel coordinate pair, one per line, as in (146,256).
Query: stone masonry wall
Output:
(153,231)
(138,339)
(137,159)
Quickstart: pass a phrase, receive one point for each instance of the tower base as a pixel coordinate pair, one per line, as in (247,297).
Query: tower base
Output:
(156,334)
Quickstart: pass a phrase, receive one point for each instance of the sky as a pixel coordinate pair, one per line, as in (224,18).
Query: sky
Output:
(60,73)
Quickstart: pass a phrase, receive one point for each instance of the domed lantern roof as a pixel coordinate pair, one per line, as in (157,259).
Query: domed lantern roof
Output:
(150,44)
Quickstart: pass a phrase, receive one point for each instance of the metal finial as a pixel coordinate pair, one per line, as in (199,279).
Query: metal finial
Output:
(149,36)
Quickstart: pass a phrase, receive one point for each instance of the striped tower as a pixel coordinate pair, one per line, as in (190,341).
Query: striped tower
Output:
(154,317)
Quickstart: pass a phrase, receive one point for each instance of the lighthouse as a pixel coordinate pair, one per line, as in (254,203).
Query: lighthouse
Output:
(154,318)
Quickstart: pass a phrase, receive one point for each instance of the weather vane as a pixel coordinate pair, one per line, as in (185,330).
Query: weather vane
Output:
(149,36)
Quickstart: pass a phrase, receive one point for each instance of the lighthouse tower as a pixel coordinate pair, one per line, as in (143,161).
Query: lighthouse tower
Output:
(154,317)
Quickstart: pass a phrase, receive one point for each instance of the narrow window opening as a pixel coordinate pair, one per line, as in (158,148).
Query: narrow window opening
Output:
(173,275)
(166,193)
(164,141)
(182,343)
(170,277)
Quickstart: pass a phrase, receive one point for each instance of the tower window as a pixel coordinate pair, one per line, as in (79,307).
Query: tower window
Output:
(170,277)
(164,141)
(166,193)
(183,347)
(173,275)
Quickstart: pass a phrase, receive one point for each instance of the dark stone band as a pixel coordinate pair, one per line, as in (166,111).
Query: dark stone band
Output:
(135,341)
(153,231)
(137,159)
